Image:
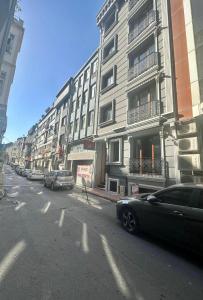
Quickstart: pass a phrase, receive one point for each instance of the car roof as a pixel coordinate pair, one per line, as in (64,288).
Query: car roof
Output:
(188,185)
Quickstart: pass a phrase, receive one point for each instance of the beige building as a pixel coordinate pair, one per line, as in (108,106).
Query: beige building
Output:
(82,154)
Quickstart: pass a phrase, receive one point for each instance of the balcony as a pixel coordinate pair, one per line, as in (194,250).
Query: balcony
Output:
(132,3)
(142,25)
(147,166)
(144,65)
(144,112)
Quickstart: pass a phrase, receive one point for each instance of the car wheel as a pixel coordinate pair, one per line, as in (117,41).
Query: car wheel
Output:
(129,221)
(52,186)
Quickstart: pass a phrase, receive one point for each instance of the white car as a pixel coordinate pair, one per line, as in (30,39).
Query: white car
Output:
(59,179)
(35,175)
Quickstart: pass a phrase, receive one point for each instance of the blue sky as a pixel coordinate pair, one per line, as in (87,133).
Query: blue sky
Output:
(59,37)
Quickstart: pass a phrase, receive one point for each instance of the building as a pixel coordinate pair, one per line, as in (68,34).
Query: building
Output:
(136,110)
(8,67)
(187,41)
(27,151)
(60,142)
(81,154)
(43,147)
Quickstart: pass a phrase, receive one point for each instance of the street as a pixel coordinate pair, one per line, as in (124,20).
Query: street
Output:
(58,245)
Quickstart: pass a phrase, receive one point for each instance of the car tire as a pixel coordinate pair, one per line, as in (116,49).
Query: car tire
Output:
(129,221)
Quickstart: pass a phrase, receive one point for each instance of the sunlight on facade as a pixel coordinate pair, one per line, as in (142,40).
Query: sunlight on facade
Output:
(120,281)
(10,259)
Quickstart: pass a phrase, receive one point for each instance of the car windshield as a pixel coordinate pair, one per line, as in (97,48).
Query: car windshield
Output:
(37,172)
(64,173)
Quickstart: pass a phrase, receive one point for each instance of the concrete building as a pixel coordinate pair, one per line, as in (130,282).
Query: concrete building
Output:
(61,130)
(82,154)
(8,66)
(43,147)
(136,111)
(187,41)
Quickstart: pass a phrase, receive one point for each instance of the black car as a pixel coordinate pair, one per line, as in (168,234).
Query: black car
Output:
(174,214)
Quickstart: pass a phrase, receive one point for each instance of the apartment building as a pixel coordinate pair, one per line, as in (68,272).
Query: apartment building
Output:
(136,111)
(62,105)
(43,148)
(8,67)
(187,38)
(81,145)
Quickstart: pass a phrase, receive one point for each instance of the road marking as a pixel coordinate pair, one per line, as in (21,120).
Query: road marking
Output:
(90,202)
(121,283)
(11,258)
(20,205)
(45,209)
(61,218)
(85,246)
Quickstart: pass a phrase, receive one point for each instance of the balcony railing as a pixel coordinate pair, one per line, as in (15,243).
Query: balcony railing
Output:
(142,25)
(146,166)
(132,3)
(143,112)
(148,62)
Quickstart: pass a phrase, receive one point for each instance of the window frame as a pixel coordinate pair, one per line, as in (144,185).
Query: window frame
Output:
(120,149)
(104,76)
(109,56)
(109,29)
(112,120)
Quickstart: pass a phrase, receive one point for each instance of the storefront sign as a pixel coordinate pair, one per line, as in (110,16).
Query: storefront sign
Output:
(84,175)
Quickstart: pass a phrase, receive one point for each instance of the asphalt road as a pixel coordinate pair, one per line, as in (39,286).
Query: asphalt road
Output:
(56,245)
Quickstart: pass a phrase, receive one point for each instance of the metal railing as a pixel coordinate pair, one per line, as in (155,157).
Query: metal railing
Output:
(146,166)
(132,3)
(144,112)
(145,64)
(145,22)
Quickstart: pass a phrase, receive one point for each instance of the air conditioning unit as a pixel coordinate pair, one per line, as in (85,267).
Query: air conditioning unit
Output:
(190,162)
(188,128)
(188,144)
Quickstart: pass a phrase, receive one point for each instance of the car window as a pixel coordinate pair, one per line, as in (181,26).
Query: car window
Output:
(64,173)
(200,204)
(181,197)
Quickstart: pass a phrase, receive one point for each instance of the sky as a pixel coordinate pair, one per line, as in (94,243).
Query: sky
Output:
(59,37)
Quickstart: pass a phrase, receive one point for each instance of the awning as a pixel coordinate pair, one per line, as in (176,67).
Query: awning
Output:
(81,156)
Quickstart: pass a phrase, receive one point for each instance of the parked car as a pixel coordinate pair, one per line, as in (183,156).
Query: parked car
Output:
(59,179)
(174,214)
(19,170)
(35,175)
(25,172)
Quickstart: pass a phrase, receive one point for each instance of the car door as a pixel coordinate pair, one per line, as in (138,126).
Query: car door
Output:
(166,216)
(194,223)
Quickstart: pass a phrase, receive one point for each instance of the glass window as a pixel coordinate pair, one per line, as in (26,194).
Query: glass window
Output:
(90,118)
(76,125)
(109,22)
(115,151)
(181,197)
(109,49)
(94,67)
(83,122)
(87,74)
(10,43)
(2,79)
(106,113)
(93,91)
(108,79)
(85,97)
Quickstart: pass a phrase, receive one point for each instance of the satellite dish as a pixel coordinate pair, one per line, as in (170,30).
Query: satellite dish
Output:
(4,10)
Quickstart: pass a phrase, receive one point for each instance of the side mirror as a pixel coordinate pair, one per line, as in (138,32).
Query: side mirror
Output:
(152,199)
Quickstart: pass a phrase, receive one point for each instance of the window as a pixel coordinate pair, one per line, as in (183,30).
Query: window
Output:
(93,91)
(113,185)
(56,128)
(94,66)
(110,21)
(78,102)
(76,125)
(80,81)
(10,43)
(107,113)
(62,139)
(115,148)
(87,74)
(179,197)
(85,97)
(110,49)
(63,122)
(90,118)
(83,122)
(70,128)
(71,107)
(2,80)
(108,80)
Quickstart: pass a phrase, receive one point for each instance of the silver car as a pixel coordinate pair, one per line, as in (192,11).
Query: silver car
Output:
(35,175)
(59,179)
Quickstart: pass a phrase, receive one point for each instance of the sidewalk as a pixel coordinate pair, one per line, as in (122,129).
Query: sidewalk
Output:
(103,194)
